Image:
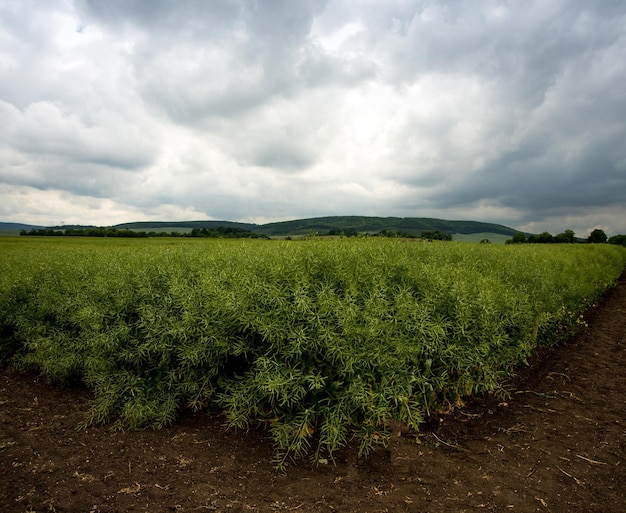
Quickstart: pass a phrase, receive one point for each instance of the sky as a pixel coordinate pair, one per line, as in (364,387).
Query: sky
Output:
(511,112)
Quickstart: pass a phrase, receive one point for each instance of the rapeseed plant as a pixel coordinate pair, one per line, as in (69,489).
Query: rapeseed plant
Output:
(320,341)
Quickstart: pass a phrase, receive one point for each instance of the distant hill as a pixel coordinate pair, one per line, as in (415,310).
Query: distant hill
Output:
(16,228)
(415,225)
(320,225)
(8,227)
(71,227)
(159,226)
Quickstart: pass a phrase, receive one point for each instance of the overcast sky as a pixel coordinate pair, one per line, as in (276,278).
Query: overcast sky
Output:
(511,112)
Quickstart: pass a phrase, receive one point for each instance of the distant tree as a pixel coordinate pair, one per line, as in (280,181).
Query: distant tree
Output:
(436,235)
(485,241)
(407,235)
(597,236)
(518,238)
(568,236)
(545,238)
(43,232)
(619,239)
(542,238)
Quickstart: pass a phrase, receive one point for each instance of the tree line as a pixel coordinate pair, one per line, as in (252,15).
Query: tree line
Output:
(219,232)
(352,232)
(597,236)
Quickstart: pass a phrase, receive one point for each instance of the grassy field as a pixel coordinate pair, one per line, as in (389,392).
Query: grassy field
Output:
(496,238)
(318,340)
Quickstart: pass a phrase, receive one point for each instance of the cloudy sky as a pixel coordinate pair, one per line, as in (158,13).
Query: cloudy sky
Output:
(511,112)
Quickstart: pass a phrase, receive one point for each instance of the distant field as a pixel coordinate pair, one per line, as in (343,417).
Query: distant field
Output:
(317,340)
(496,238)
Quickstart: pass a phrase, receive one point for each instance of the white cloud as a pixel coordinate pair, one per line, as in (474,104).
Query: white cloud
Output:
(243,110)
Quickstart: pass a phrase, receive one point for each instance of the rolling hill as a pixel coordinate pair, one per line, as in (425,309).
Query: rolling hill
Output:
(320,225)
(361,224)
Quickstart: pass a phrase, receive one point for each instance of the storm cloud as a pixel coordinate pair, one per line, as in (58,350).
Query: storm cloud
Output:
(499,111)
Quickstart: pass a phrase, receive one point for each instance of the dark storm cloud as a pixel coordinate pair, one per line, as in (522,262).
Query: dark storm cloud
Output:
(529,179)
(199,60)
(494,110)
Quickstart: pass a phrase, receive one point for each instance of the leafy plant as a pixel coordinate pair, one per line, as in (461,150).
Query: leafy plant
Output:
(320,341)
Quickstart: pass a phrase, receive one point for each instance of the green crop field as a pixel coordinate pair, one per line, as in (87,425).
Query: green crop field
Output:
(496,238)
(320,341)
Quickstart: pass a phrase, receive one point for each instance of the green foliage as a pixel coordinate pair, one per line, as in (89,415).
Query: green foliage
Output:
(597,236)
(436,235)
(231,232)
(94,231)
(568,236)
(227,232)
(321,341)
(619,239)
(395,234)
(366,224)
(542,238)
(518,238)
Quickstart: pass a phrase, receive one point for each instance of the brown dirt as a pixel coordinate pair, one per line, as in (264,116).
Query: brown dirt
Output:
(557,444)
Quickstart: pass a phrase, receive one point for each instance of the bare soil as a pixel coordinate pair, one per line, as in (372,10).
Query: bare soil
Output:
(557,444)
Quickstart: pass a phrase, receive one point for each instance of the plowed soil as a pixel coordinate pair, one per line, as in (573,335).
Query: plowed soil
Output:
(556,444)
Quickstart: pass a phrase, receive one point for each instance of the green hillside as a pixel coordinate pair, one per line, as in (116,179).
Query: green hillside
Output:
(15,228)
(323,225)
(362,224)
(168,226)
(320,225)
